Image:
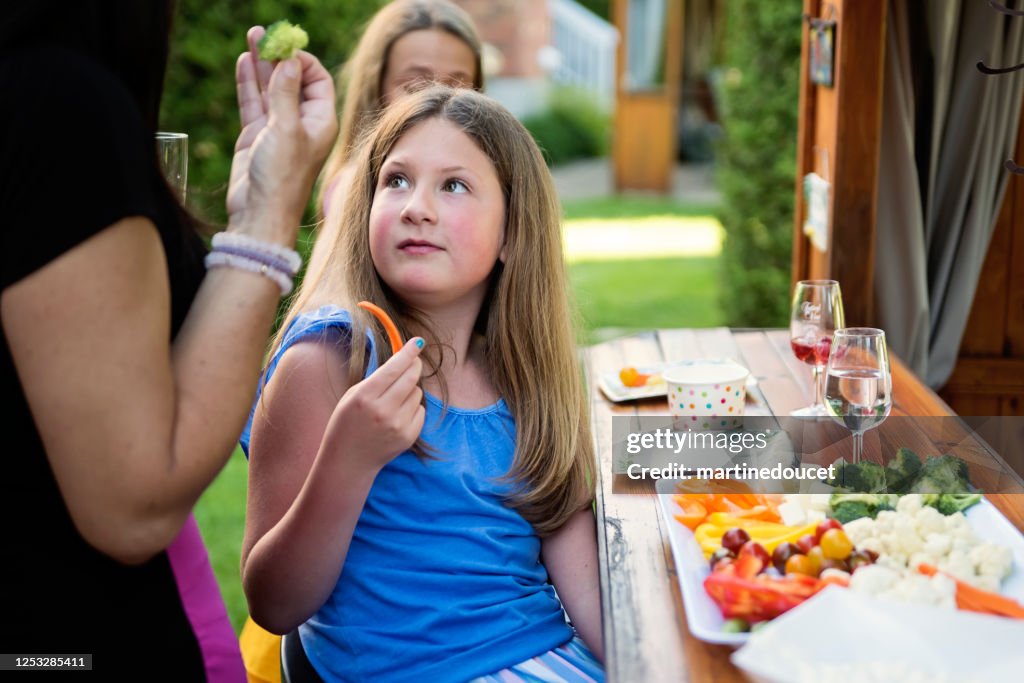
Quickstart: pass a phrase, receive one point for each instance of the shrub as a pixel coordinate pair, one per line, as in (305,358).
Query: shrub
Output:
(759,88)
(199,95)
(572,127)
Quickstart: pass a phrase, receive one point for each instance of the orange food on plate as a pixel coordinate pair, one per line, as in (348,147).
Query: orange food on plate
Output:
(693,510)
(974,599)
(631,377)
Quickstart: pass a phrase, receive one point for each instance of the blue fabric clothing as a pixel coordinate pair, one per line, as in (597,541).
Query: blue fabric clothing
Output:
(442,582)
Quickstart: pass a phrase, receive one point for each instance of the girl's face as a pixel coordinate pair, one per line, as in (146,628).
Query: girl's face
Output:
(437,219)
(423,56)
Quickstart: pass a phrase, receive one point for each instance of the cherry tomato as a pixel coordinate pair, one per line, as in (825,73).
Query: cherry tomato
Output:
(806,543)
(799,564)
(757,550)
(825,526)
(817,558)
(783,552)
(836,544)
(733,539)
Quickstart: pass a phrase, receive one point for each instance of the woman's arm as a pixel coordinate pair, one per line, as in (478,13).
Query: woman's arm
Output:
(570,555)
(312,462)
(136,427)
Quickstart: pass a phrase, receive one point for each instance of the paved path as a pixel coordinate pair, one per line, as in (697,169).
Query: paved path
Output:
(593,178)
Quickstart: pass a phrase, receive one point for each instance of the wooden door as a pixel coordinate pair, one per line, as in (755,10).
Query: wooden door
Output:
(646,101)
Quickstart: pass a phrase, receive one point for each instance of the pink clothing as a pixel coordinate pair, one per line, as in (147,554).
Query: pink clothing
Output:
(204,606)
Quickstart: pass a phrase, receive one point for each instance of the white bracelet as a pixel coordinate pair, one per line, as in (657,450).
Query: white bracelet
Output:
(220,259)
(239,242)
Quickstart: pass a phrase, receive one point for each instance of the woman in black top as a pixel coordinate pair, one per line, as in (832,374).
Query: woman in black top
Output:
(126,370)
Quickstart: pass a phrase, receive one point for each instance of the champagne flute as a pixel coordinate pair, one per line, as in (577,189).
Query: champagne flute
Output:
(858,388)
(172,153)
(816,312)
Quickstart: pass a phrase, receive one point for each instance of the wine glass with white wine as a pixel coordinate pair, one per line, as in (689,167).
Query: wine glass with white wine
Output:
(858,382)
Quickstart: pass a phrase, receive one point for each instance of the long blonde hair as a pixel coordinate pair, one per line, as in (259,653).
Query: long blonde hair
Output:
(526,319)
(360,81)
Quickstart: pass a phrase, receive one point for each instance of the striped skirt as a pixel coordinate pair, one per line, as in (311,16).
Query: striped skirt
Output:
(570,663)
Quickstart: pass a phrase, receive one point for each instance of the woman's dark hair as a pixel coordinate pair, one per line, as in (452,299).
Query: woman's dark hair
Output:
(128,37)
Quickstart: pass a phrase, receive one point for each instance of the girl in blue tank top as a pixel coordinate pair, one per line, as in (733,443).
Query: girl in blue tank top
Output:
(413,513)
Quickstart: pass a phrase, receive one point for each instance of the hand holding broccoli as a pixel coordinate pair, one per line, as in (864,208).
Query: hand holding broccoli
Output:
(282,40)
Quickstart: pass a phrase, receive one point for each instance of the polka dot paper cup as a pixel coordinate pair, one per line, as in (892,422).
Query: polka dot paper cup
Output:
(707,395)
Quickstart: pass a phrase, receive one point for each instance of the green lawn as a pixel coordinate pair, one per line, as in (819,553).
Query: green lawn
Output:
(221,517)
(671,280)
(619,297)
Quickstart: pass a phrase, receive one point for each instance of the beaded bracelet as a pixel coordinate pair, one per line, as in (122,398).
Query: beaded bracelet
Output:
(243,245)
(221,259)
(265,259)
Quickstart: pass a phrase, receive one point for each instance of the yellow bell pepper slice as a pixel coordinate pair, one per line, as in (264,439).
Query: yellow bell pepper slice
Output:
(768,534)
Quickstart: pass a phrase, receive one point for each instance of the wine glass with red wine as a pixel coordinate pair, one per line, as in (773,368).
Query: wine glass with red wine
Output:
(817,313)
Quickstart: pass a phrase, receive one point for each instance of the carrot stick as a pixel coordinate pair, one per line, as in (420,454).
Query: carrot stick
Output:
(974,599)
(389,326)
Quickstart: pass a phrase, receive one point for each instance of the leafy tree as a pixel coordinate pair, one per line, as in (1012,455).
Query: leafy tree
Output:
(199,95)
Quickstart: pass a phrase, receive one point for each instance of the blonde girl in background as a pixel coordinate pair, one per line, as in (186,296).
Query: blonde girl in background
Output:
(413,533)
(406,45)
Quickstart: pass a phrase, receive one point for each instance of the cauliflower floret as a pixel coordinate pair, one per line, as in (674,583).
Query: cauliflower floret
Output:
(930,520)
(874,579)
(886,519)
(859,530)
(872,543)
(918,589)
(937,545)
(962,544)
(909,504)
(958,564)
(910,541)
(956,525)
(991,560)
(923,557)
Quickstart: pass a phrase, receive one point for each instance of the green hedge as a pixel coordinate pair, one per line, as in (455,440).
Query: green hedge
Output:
(199,96)
(759,88)
(572,127)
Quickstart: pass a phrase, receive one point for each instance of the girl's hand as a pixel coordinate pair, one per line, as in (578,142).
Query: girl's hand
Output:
(288,126)
(381,416)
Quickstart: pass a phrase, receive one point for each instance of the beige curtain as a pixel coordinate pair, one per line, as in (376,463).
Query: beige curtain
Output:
(946,131)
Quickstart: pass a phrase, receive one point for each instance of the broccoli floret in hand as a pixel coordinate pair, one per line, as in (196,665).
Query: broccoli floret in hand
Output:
(282,40)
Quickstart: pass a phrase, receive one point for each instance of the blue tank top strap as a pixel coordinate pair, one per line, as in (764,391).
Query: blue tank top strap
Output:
(319,323)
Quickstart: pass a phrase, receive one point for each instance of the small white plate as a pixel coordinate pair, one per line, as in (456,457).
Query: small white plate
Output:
(702,614)
(612,387)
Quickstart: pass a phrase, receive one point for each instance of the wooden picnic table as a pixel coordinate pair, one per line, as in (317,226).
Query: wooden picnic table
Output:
(645,630)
